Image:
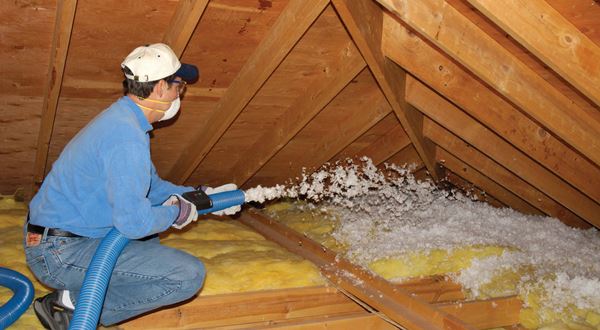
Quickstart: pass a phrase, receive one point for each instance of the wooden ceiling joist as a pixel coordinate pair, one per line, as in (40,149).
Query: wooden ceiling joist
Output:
(551,37)
(451,80)
(65,16)
(490,168)
(291,24)
(395,303)
(252,309)
(354,321)
(478,179)
(364,21)
(486,314)
(184,21)
(341,70)
(449,30)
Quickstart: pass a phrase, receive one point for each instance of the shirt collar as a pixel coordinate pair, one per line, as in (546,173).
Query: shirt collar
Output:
(139,114)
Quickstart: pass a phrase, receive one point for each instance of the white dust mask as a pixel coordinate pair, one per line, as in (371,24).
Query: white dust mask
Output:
(172,111)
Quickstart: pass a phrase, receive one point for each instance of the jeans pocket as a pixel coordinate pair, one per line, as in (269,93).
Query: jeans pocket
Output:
(39,267)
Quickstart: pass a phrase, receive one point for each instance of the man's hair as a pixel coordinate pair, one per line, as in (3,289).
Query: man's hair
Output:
(141,89)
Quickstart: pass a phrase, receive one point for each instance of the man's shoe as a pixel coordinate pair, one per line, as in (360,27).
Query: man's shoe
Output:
(51,313)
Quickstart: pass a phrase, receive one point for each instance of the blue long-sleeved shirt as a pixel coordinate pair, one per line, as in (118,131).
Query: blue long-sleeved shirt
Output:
(104,178)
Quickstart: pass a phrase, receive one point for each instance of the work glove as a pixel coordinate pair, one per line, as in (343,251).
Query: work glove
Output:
(226,187)
(187,211)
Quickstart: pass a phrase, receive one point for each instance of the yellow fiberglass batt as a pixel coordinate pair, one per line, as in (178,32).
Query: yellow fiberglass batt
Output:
(237,259)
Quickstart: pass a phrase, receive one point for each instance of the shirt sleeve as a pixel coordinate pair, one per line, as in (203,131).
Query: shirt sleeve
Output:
(129,176)
(161,189)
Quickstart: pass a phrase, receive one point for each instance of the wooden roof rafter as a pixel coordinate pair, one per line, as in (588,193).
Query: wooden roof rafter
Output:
(363,19)
(470,189)
(475,177)
(451,117)
(63,26)
(184,21)
(465,42)
(291,25)
(451,80)
(556,41)
(491,169)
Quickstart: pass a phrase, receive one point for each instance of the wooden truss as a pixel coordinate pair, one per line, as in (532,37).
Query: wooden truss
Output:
(355,299)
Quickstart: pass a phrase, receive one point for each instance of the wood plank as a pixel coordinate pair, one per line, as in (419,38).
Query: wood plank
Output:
(248,307)
(476,159)
(469,188)
(446,28)
(182,26)
(378,293)
(341,70)
(407,156)
(355,110)
(551,37)
(363,19)
(478,179)
(293,22)
(451,80)
(65,15)
(451,117)
(387,145)
(486,314)
(355,321)
(371,135)
(433,289)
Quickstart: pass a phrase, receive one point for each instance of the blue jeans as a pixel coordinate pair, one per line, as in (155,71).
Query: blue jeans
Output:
(147,275)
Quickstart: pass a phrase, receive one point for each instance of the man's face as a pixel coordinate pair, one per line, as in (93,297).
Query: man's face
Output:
(176,87)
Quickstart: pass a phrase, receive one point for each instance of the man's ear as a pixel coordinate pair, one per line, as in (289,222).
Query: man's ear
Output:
(159,88)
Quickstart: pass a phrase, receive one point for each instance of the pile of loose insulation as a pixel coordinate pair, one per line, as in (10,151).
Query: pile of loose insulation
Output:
(402,228)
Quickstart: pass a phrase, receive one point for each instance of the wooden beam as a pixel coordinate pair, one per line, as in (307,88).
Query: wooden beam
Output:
(486,314)
(433,289)
(468,187)
(364,20)
(446,28)
(291,24)
(488,167)
(354,321)
(184,21)
(489,186)
(63,25)
(451,80)
(248,308)
(375,291)
(341,70)
(551,37)
(451,117)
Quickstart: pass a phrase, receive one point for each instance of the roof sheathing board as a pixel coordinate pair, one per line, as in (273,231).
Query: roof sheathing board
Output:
(302,68)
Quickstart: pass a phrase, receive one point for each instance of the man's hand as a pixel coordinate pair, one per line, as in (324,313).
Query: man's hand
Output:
(226,187)
(187,211)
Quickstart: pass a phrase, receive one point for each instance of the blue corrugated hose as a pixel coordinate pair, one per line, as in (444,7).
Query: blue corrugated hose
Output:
(23,292)
(95,284)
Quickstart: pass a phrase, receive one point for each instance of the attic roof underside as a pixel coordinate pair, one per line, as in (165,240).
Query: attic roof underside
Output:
(501,97)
